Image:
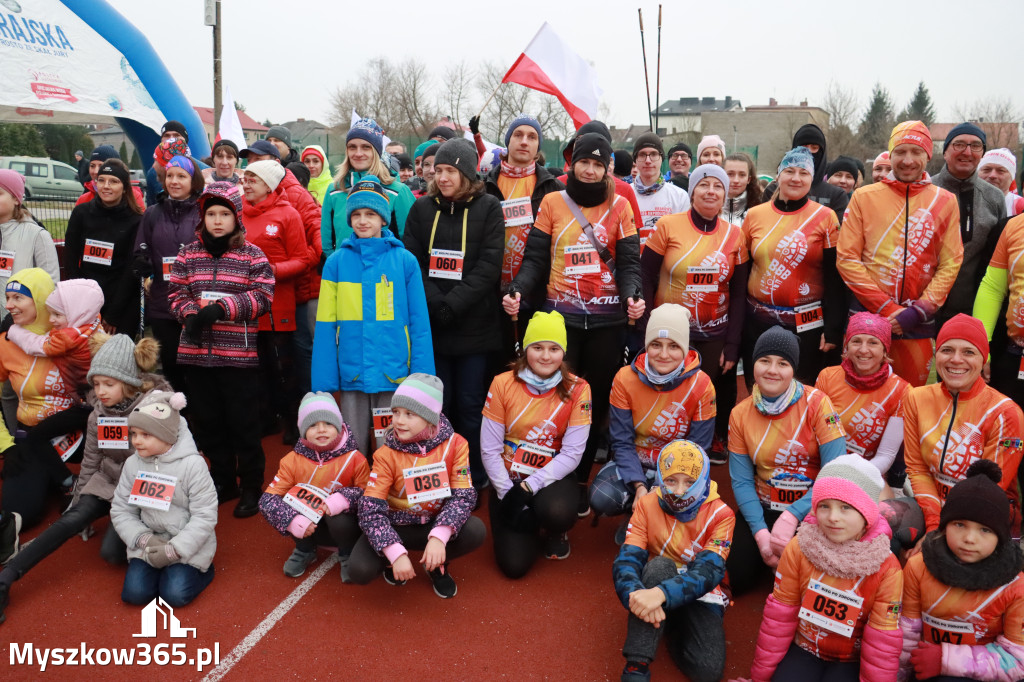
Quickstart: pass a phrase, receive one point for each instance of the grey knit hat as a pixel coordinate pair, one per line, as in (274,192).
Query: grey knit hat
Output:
(778,341)
(281,133)
(421,394)
(319,407)
(460,153)
(116,359)
(158,415)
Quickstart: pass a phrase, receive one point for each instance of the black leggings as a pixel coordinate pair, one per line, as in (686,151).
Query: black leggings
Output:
(596,355)
(552,510)
(278,394)
(365,564)
(340,530)
(745,566)
(168,334)
(88,509)
(724,382)
(806,667)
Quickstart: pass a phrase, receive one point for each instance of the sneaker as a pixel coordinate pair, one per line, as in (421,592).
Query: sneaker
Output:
(10,528)
(346,577)
(249,504)
(636,672)
(718,453)
(67,492)
(298,562)
(389,577)
(583,508)
(620,532)
(557,546)
(444,584)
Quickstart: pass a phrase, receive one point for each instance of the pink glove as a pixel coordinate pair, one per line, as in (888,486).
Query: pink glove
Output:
(336,504)
(763,538)
(783,531)
(927,660)
(298,526)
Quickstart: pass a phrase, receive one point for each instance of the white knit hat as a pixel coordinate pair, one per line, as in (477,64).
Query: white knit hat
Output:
(269,171)
(1000,157)
(669,321)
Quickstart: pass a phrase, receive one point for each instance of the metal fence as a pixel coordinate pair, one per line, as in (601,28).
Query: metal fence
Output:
(53,214)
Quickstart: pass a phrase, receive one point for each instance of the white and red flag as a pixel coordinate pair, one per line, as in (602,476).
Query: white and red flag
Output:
(550,66)
(230,127)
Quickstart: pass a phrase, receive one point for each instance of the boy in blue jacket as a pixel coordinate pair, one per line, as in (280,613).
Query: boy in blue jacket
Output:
(372,324)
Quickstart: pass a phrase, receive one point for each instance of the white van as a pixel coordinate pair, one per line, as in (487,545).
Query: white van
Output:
(45,178)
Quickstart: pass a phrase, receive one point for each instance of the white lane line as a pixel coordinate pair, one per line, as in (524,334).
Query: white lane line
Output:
(258,632)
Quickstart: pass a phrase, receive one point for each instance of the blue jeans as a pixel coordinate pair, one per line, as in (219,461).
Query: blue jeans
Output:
(178,584)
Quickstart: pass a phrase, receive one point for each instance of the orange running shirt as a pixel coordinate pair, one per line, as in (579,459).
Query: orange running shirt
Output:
(347,471)
(387,481)
(864,414)
(690,253)
(1007,256)
(515,236)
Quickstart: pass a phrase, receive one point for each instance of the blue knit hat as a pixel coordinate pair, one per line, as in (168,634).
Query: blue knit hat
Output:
(965,129)
(524,120)
(368,193)
(367,129)
(800,157)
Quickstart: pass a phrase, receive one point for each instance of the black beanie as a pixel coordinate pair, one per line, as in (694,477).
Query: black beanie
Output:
(592,146)
(648,140)
(431,150)
(175,126)
(844,163)
(778,341)
(442,131)
(681,147)
(404,161)
(811,134)
(588,127)
(460,153)
(300,171)
(965,129)
(979,498)
(118,170)
(623,163)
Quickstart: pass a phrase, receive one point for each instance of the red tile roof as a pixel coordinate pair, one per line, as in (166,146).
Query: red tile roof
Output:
(247,121)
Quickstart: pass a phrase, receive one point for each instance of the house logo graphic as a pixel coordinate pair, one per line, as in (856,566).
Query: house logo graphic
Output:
(170,621)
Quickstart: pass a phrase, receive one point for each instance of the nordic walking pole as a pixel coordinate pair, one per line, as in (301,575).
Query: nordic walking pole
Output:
(657,78)
(647,80)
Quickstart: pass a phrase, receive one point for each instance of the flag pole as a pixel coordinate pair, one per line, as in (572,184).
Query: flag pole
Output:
(647,80)
(493,93)
(657,80)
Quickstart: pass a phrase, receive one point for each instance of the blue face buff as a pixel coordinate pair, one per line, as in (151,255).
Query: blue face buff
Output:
(535,382)
(684,507)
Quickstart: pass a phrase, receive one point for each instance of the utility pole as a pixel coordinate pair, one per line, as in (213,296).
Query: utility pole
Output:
(211,15)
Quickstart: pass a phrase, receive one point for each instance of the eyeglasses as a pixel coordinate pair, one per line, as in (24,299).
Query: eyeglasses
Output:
(680,156)
(648,156)
(976,147)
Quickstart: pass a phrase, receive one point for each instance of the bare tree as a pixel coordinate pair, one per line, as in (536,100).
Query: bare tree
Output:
(410,96)
(458,86)
(841,104)
(997,116)
(508,101)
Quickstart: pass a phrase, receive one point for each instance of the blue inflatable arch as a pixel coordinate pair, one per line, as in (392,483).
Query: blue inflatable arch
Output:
(130,42)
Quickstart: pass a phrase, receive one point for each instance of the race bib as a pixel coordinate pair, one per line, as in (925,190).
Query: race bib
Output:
(101,253)
(427,482)
(445,264)
(945,483)
(517,211)
(208,297)
(582,259)
(529,457)
(381,421)
(808,317)
(6,263)
(939,631)
(784,492)
(166,264)
(112,432)
(308,500)
(830,608)
(702,280)
(715,596)
(853,447)
(153,490)
(1020,370)
(65,445)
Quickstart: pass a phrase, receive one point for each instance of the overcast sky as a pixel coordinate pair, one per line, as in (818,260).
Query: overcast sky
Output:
(283,59)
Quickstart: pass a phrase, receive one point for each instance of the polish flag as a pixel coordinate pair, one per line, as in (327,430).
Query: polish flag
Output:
(550,66)
(230,128)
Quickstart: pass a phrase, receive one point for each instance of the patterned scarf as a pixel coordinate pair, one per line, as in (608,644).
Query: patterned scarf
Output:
(640,188)
(443,432)
(510,171)
(780,404)
(869,382)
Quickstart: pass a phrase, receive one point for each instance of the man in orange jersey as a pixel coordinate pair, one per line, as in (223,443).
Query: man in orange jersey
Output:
(900,249)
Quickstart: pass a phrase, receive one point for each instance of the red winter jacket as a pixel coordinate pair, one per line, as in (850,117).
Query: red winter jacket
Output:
(276,228)
(308,285)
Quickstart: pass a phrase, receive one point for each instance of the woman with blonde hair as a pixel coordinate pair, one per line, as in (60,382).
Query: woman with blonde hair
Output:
(364,145)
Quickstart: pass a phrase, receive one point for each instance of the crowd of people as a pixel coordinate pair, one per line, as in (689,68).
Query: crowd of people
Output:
(456,326)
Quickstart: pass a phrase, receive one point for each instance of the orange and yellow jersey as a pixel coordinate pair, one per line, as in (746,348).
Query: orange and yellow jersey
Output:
(945,434)
(957,616)
(784,448)
(515,236)
(38,383)
(387,479)
(1007,256)
(864,414)
(536,419)
(888,259)
(798,582)
(696,269)
(344,471)
(579,282)
(786,253)
(660,417)
(661,534)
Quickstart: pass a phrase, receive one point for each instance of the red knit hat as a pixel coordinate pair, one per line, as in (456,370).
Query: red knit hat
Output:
(871,324)
(314,151)
(911,132)
(967,328)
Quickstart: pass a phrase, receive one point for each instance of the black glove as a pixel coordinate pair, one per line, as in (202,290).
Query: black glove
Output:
(14,462)
(210,314)
(474,125)
(142,267)
(6,324)
(194,329)
(443,315)
(512,506)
